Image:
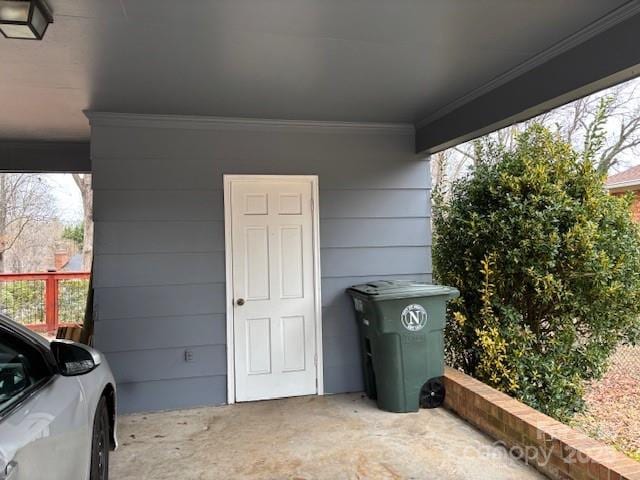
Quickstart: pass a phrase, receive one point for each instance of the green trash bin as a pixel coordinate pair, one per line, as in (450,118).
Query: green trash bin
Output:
(401,325)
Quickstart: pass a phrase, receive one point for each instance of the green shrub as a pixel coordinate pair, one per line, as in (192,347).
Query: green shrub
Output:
(23,301)
(74,233)
(548,266)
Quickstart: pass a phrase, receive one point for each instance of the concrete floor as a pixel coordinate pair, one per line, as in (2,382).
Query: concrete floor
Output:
(332,437)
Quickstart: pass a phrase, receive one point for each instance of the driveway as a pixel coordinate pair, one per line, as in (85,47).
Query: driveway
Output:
(331,437)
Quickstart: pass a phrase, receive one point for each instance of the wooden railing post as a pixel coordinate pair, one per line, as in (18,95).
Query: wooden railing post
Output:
(51,303)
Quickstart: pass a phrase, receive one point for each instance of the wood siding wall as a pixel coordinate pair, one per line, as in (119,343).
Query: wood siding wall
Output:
(159,242)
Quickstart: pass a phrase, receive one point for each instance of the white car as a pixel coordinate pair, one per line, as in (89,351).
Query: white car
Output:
(57,408)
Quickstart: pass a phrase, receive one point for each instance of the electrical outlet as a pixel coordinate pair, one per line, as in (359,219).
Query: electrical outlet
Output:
(188,356)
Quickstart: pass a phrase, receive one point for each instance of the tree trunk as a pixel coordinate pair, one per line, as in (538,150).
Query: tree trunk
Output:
(3,220)
(83,181)
(438,169)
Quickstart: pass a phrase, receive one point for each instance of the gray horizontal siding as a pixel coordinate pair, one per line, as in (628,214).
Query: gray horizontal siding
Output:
(389,203)
(159,245)
(343,379)
(208,205)
(159,237)
(168,363)
(375,232)
(131,174)
(159,301)
(126,237)
(346,262)
(232,144)
(158,269)
(336,324)
(144,334)
(148,158)
(158,205)
(341,351)
(172,394)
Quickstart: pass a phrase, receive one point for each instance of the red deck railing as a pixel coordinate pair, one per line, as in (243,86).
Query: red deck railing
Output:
(44,301)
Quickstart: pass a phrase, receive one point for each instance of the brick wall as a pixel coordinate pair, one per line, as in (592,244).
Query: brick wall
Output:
(555,449)
(635,206)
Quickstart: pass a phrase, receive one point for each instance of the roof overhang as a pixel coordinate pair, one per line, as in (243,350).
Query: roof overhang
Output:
(577,67)
(618,187)
(410,62)
(69,157)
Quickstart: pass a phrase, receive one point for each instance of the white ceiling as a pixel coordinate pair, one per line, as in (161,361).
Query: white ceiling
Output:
(350,60)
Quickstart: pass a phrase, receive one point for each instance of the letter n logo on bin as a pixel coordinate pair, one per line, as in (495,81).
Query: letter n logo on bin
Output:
(414,317)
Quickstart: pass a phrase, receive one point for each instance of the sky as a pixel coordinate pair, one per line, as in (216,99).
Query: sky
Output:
(67,197)
(631,93)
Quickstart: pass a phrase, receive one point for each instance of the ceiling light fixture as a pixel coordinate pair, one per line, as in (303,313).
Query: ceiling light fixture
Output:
(24,19)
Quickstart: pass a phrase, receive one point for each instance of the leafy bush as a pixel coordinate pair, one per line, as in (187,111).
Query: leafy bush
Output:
(72,298)
(548,266)
(23,301)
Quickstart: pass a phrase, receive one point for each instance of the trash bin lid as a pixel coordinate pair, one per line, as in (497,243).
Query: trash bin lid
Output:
(390,289)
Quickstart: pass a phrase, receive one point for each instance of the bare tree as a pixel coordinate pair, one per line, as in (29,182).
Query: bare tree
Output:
(83,181)
(34,250)
(439,168)
(604,126)
(624,113)
(24,200)
(447,166)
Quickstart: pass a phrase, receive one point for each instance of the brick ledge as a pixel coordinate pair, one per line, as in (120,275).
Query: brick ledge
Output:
(556,450)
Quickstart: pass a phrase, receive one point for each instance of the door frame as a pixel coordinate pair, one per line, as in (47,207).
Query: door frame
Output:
(228,249)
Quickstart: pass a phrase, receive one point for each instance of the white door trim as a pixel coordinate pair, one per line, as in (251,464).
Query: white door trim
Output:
(313,180)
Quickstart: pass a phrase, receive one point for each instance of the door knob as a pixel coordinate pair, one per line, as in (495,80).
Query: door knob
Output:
(240,302)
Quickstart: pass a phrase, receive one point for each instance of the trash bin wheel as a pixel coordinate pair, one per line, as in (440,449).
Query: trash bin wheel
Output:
(432,393)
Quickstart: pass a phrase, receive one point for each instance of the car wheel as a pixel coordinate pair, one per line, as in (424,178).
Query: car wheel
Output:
(100,442)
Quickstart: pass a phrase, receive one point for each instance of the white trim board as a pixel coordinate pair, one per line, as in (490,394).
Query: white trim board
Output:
(313,180)
(197,122)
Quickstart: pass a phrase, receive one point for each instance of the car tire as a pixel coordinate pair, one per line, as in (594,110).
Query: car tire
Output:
(100,442)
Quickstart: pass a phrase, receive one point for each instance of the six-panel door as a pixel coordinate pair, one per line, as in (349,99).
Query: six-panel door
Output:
(273,288)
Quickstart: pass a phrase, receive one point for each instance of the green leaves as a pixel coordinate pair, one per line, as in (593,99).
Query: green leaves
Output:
(548,266)
(74,233)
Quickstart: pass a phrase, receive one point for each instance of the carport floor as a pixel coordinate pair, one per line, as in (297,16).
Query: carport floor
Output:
(331,437)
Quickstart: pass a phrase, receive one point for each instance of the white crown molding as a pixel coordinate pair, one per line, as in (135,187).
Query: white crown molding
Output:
(194,122)
(598,26)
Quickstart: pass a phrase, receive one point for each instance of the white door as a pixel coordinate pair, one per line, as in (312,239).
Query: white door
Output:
(274,294)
